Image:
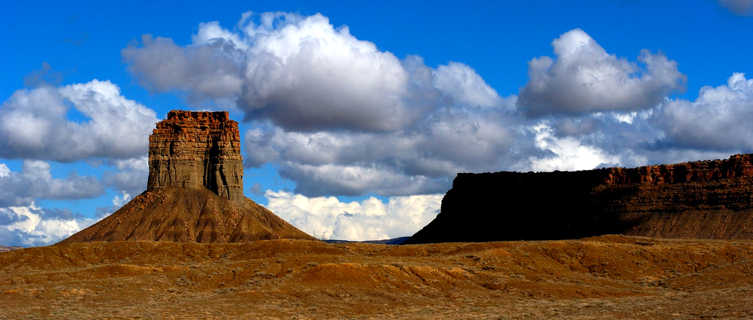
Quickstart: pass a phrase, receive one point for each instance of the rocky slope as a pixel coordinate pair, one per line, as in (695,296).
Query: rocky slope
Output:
(703,199)
(179,214)
(195,189)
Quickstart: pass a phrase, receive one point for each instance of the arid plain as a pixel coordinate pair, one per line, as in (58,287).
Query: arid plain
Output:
(607,277)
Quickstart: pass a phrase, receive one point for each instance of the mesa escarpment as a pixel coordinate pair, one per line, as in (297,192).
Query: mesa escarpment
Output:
(703,199)
(195,189)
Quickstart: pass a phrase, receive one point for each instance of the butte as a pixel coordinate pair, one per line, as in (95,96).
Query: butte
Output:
(195,189)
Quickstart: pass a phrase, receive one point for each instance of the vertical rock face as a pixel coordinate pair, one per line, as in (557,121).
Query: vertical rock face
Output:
(702,199)
(197,150)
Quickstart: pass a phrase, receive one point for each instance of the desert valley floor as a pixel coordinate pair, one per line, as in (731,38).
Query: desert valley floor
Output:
(607,277)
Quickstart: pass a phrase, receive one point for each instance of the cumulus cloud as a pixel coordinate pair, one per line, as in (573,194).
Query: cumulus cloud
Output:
(469,127)
(36,182)
(305,75)
(585,78)
(34,123)
(420,160)
(336,113)
(717,120)
(340,116)
(130,177)
(369,219)
(567,153)
(4,171)
(119,200)
(204,71)
(465,86)
(740,7)
(612,139)
(33,226)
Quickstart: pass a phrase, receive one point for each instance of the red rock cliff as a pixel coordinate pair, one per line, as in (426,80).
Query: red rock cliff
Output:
(197,150)
(703,199)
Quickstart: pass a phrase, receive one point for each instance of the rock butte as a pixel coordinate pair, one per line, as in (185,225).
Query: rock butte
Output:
(195,189)
(197,150)
(703,199)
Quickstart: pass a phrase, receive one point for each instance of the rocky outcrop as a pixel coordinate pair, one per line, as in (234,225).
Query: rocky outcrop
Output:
(703,199)
(197,150)
(195,189)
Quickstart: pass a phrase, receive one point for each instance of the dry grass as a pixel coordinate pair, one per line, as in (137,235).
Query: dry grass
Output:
(609,277)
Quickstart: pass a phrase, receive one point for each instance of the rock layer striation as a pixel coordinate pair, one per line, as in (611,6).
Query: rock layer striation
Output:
(197,150)
(703,199)
(195,189)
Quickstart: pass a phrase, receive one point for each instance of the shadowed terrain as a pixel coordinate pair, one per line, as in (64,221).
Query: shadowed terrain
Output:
(703,199)
(615,277)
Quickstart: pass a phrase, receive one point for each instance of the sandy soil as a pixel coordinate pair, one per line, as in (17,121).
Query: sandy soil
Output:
(609,277)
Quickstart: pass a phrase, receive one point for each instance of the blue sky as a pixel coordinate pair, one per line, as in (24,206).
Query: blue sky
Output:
(355,117)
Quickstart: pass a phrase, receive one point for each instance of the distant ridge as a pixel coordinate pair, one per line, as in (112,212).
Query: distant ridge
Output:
(703,199)
(399,240)
(195,189)
(6,249)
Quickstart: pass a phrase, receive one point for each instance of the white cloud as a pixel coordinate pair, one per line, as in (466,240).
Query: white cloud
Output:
(204,71)
(420,160)
(34,123)
(4,171)
(346,117)
(34,226)
(36,182)
(211,32)
(356,180)
(625,117)
(305,75)
(369,219)
(325,76)
(131,175)
(719,119)
(465,86)
(340,116)
(568,153)
(119,201)
(740,7)
(585,78)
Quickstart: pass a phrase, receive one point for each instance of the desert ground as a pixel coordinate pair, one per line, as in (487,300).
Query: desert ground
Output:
(607,277)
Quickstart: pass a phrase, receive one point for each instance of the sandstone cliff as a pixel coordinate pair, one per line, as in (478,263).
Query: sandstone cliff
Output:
(704,199)
(197,150)
(195,189)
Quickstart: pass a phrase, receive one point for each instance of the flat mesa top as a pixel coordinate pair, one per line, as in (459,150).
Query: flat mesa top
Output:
(198,115)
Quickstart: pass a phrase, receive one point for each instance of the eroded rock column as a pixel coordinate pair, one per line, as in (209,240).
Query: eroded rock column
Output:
(197,150)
